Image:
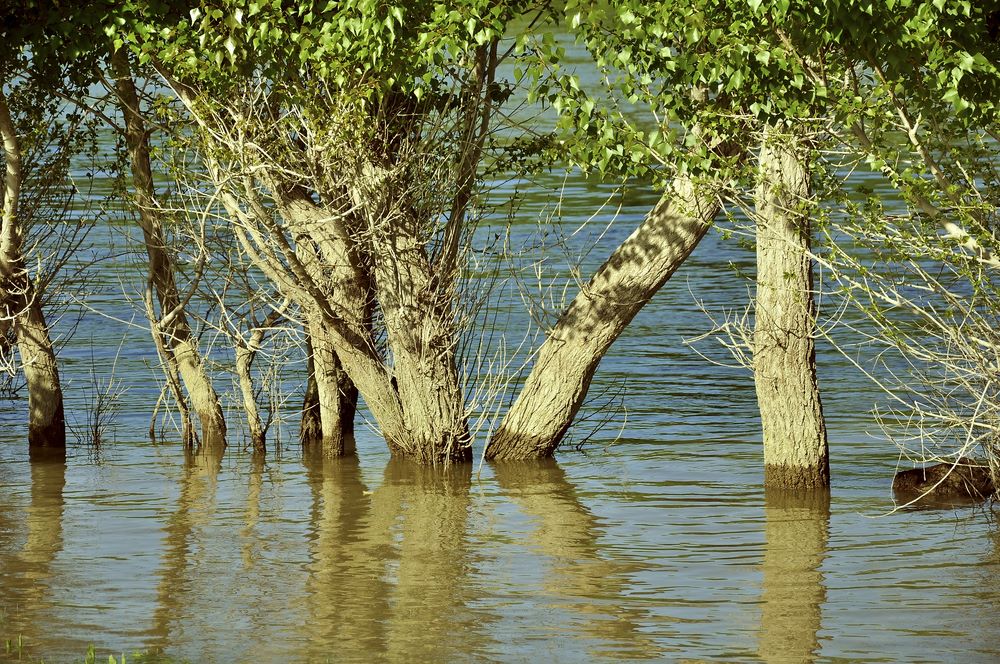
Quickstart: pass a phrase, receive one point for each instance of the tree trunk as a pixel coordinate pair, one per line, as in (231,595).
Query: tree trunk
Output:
(422,337)
(19,302)
(172,322)
(310,425)
(336,395)
(784,358)
(557,384)
(46,420)
(244,364)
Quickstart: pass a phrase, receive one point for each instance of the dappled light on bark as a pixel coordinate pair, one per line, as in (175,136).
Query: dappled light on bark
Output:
(565,364)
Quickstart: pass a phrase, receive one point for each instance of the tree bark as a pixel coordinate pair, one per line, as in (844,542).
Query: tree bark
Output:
(172,321)
(336,395)
(19,303)
(558,382)
(419,325)
(310,425)
(784,358)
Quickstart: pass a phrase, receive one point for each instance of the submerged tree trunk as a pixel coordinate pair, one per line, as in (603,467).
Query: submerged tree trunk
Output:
(310,425)
(784,358)
(171,323)
(19,303)
(419,326)
(558,382)
(336,395)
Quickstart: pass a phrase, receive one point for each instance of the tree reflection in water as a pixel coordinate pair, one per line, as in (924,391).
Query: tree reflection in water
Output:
(389,576)
(592,590)
(183,548)
(797,526)
(26,576)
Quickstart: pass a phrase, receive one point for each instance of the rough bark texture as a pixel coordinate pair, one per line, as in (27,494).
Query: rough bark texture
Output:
(244,363)
(557,384)
(171,322)
(310,426)
(19,303)
(796,530)
(784,359)
(46,420)
(336,395)
(419,325)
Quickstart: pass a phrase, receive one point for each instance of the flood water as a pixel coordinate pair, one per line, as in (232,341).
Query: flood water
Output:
(656,542)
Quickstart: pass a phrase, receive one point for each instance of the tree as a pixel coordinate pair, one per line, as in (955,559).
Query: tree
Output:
(28,129)
(171,330)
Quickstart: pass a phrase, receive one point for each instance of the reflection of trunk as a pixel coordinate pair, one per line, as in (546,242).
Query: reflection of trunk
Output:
(567,534)
(557,385)
(347,593)
(795,448)
(432,510)
(181,346)
(19,302)
(27,579)
(183,549)
(796,531)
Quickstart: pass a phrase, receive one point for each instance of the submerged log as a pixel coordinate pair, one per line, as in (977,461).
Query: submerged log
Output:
(966,479)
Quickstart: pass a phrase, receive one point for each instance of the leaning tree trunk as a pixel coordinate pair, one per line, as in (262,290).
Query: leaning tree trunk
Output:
(784,357)
(19,303)
(172,322)
(558,382)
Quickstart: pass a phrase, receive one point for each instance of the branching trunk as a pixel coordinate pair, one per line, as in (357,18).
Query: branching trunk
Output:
(172,321)
(558,382)
(420,330)
(784,359)
(19,303)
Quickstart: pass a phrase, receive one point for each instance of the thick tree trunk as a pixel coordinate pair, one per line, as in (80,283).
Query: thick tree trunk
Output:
(46,420)
(422,337)
(19,303)
(172,322)
(433,428)
(784,359)
(558,382)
